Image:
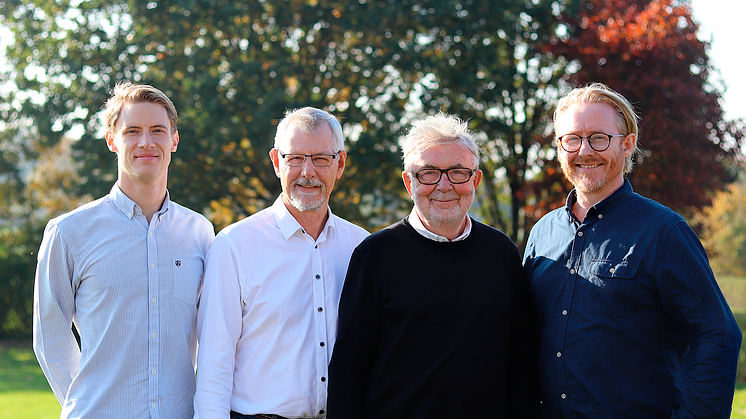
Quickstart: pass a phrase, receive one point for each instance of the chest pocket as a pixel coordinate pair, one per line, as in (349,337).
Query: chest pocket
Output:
(187,275)
(611,287)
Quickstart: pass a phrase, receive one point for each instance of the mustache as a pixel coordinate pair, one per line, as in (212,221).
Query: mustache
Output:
(443,196)
(307,182)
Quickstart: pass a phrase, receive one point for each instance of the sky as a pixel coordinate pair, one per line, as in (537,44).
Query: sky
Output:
(721,23)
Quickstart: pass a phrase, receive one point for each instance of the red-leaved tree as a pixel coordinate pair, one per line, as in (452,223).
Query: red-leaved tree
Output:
(649,52)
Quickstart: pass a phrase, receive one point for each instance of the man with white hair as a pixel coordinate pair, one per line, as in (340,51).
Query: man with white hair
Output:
(268,314)
(434,320)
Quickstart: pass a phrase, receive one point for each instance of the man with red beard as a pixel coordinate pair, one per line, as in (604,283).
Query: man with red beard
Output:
(632,323)
(267,318)
(434,320)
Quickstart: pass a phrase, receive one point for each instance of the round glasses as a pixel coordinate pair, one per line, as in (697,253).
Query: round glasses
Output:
(432,176)
(318,160)
(598,141)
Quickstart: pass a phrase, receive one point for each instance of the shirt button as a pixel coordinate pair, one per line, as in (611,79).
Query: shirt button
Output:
(152,371)
(321,344)
(153,301)
(152,265)
(559,354)
(563,395)
(572,271)
(564,312)
(152,405)
(323,379)
(321,412)
(611,270)
(316,246)
(600,216)
(320,309)
(150,233)
(580,233)
(153,335)
(318,276)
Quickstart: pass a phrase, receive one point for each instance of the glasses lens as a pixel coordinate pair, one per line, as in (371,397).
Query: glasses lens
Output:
(459,175)
(599,141)
(322,160)
(570,142)
(294,159)
(428,176)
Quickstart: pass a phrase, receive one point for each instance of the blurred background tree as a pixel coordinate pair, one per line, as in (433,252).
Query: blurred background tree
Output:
(233,68)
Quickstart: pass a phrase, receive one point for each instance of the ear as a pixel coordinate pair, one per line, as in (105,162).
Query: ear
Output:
(110,142)
(275,157)
(406,177)
(341,161)
(477,178)
(175,141)
(628,144)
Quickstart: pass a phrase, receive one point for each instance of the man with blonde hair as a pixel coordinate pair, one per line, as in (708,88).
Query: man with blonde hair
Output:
(434,320)
(268,314)
(632,323)
(126,271)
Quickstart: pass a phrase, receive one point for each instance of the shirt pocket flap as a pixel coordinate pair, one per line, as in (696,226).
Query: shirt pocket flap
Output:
(609,269)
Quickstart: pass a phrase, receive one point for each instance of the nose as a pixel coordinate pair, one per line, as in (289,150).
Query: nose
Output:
(585,147)
(307,169)
(444,184)
(146,141)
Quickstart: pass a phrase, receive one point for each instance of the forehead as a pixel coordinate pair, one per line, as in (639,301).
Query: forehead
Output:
(142,114)
(587,117)
(320,140)
(442,156)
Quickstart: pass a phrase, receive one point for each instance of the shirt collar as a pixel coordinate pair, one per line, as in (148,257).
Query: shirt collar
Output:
(289,225)
(621,194)
(129,207)
(416,223)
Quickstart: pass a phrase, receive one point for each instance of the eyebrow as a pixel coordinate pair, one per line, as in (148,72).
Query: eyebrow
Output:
(454,166)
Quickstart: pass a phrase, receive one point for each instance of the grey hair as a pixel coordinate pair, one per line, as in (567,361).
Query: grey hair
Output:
(438,129)
(601,93)
(307,120)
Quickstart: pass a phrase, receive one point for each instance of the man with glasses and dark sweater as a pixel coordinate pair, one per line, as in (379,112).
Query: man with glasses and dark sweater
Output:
(434,319)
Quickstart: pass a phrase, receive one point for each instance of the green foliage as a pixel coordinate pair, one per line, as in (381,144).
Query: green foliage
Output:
(724,230)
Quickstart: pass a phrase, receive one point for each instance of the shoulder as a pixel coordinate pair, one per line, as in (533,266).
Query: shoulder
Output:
(393,235)
(190,215)
(250,225)
(83,213)
(485,231)
(653,210)
(350,229)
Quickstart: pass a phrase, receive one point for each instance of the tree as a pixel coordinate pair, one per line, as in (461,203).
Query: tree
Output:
(724,230)
(649,52)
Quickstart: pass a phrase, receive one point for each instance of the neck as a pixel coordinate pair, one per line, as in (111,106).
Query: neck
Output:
(313,222)
(447,230)
(148,197)
(585,200)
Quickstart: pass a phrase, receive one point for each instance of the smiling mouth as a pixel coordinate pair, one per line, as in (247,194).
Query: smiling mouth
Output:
(588,166)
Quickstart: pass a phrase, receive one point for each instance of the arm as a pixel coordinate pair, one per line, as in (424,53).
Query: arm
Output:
(54,307)
(219,323)
(523,395)
(692,297)
(357,337)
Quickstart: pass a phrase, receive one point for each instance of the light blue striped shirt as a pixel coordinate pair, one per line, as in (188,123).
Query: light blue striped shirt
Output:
(131,289)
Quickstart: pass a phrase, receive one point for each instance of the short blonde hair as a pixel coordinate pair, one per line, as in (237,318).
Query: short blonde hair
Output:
(127,92)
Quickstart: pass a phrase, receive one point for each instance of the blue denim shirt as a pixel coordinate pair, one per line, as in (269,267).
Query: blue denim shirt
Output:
(632,323)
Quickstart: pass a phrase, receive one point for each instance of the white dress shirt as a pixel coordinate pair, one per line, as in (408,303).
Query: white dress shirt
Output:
(416,223)
(131,289)
(268,315)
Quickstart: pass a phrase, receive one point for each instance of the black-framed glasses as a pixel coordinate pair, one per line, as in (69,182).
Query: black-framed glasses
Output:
(318,160)
(431,176)
(598,141)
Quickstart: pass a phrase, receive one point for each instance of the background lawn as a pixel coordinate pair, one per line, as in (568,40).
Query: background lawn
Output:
(24,392)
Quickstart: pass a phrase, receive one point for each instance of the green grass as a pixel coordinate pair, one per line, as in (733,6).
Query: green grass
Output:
(24,392)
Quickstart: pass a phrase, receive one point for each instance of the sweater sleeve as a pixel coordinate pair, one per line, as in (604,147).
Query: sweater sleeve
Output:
(357,337)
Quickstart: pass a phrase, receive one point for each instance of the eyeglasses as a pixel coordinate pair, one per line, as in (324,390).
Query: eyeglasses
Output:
(598,141)
(432,176)
(318,160)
